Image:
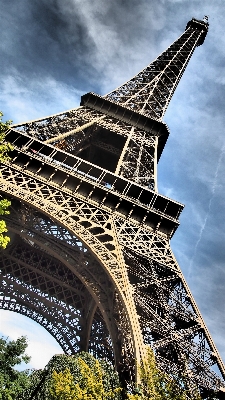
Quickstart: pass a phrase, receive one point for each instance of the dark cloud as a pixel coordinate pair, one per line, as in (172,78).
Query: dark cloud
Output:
(52,51)
(44,40)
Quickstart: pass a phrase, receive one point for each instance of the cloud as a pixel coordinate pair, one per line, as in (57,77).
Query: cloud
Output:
(18,94)
(41,345)
(203,226)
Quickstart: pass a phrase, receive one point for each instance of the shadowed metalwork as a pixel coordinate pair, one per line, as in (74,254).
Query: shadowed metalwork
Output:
(90,255)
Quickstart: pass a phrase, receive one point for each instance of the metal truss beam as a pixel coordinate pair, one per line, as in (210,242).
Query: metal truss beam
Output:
(95,234)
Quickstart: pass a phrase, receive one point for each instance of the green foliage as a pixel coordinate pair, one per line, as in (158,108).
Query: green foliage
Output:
(4,146)
(88,387)
(4,204)
(74,377)
(12,382)
(4,240)
(82,377)
(156,385)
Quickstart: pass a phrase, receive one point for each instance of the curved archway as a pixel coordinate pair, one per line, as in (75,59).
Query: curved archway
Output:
(22,308)
(40,233)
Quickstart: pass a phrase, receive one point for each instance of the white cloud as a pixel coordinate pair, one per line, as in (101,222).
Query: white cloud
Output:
(41,345)
(26,98)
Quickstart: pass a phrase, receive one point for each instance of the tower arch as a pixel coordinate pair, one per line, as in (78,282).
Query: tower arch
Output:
(37,233)
(92,171)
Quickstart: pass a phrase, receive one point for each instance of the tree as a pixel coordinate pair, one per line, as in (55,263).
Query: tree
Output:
(12,382)
(156,385)
(4,204)
(82,377)
(5,147)
(89,386)
(73,378)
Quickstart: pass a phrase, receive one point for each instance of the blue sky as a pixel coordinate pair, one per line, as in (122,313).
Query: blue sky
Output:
(52,52)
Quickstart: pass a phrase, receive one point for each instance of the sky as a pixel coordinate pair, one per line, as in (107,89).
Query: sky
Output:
(53,51)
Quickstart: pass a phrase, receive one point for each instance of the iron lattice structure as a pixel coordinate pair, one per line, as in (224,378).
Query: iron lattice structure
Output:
(90,257)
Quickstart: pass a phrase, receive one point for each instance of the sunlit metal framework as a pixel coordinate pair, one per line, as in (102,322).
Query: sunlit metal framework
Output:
(90,257)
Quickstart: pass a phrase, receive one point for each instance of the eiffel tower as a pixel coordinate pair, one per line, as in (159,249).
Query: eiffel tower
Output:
(90,257)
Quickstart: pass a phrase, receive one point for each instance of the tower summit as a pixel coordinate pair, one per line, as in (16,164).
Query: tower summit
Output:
(90,257)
